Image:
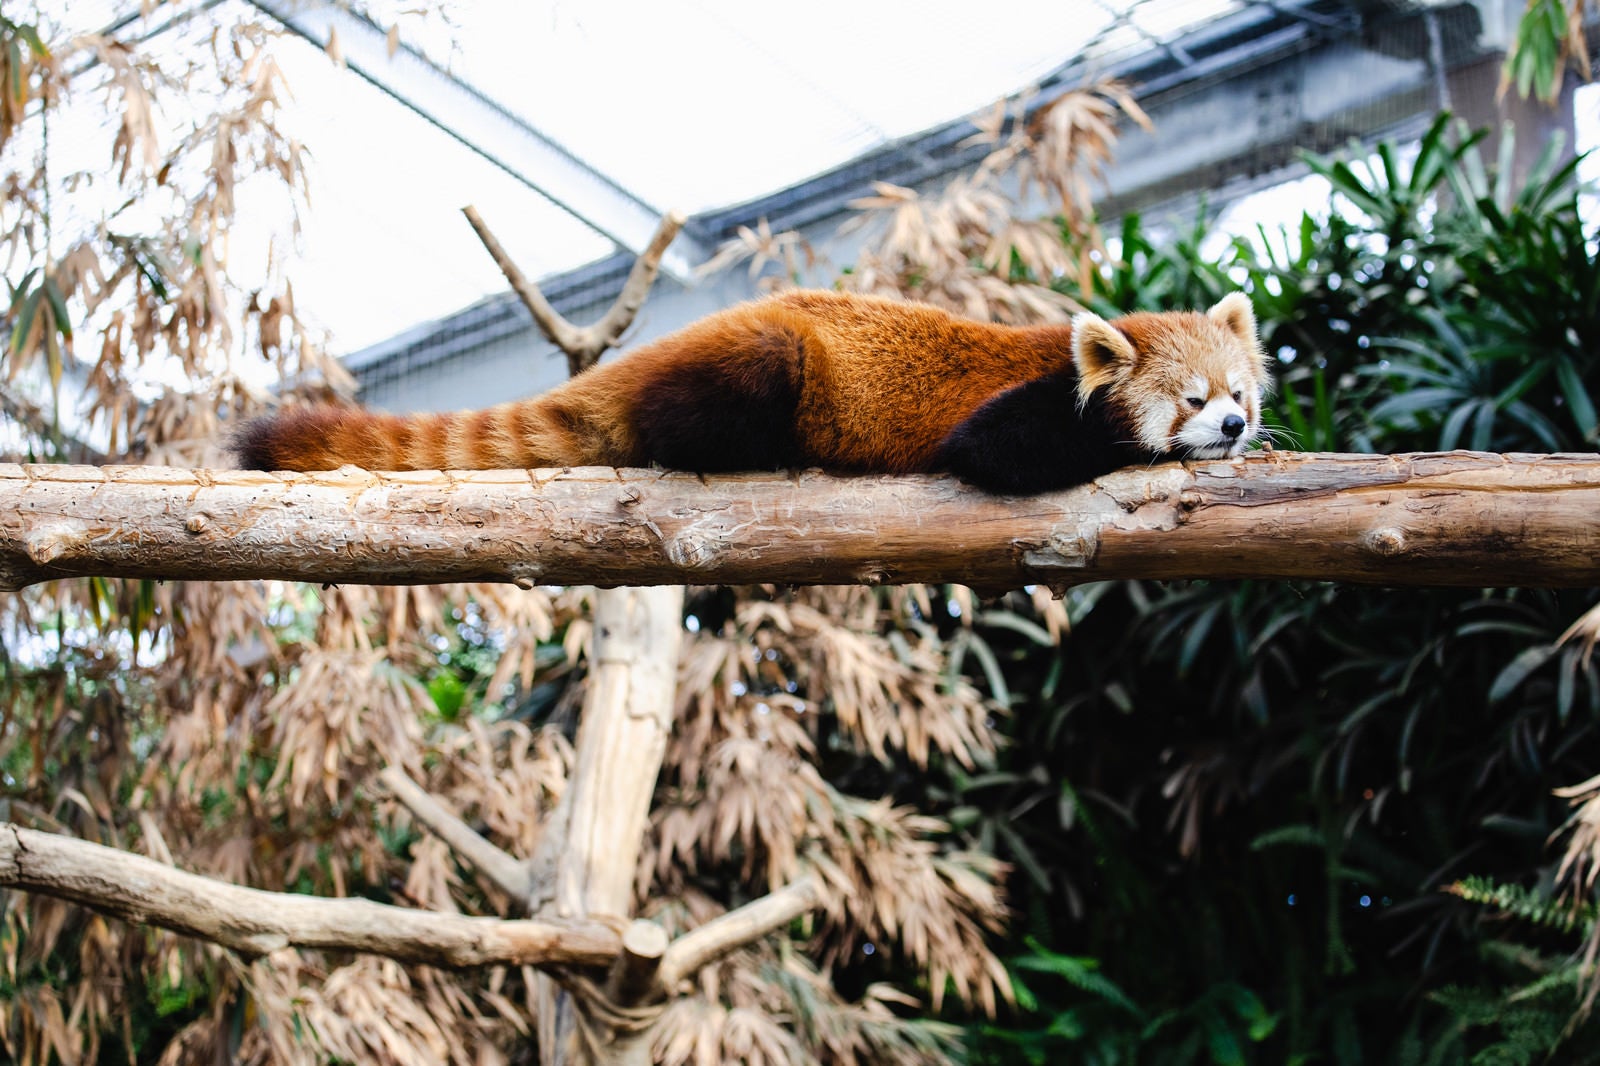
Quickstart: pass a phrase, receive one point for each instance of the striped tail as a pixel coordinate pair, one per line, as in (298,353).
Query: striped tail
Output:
(326,438)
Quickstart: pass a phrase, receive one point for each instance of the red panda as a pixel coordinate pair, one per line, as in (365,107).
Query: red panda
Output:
(852,384)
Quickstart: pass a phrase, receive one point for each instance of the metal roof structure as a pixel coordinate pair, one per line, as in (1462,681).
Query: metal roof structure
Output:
(1242,42)
(1237,86)
(1254,33)
(487,127)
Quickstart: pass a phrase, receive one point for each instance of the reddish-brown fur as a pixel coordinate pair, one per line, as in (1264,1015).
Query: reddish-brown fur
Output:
(875,385)
(806,378)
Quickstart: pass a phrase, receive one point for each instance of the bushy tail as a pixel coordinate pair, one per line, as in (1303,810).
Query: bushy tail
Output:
(529,433)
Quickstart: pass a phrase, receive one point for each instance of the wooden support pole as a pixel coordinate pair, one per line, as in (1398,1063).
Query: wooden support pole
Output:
(590,849)
(588,856)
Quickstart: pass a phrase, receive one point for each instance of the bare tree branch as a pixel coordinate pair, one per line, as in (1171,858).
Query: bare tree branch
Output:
(557,330)
(508,873)
(256,922)
(583,345)
(34,419)
(619,316)
(1458,518)
(701,947)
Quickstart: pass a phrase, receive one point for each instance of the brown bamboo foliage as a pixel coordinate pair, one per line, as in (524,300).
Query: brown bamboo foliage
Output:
(244,730)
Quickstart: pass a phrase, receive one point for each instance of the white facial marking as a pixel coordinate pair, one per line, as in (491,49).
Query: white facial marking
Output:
(1202,438)
(1155,427)
(1211,414)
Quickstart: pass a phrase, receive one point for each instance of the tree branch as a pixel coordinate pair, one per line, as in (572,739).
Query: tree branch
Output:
(700,947)
(1458,518)
(36,420)
(614,323)
(583,345)
(508,873)
(256,922)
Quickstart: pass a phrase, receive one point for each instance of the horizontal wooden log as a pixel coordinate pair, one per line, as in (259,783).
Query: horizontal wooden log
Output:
(256,922)
(1456,518)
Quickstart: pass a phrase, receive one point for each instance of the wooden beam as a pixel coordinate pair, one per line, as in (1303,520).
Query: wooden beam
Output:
(1457,518)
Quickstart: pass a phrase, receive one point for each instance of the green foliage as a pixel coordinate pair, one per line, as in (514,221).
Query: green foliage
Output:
(1235,803)
(1526,904)
(38,313)
(1101,1025)
(1548,33)
(1531,1019)
(449,694)
(1538,1015)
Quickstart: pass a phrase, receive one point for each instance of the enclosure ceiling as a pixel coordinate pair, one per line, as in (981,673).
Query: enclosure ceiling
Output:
(570,125)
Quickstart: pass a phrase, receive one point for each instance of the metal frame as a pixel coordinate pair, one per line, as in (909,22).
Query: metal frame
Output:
(1226,53)
(487,128)
(1169,70)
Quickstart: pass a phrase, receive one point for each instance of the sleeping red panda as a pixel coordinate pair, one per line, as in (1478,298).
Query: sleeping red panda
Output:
(852,384)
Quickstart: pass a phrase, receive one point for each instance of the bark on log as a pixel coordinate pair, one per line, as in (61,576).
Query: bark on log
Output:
(1456,518)
(255,922)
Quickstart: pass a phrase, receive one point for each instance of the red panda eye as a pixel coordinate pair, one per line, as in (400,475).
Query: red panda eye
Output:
(1236,395)
(1196,402)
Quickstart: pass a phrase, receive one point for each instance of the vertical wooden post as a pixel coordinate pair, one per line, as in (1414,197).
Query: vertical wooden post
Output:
(589,853)
(588,857)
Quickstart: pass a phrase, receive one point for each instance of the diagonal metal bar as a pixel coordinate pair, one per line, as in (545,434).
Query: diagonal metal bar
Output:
(487,128)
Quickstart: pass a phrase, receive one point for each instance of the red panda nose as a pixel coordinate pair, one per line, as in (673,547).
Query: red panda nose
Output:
(1232,426)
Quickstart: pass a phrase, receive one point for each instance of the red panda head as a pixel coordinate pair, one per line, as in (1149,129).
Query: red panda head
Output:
(1184,382)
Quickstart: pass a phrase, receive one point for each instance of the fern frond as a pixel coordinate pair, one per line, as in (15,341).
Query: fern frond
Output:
(1526,904)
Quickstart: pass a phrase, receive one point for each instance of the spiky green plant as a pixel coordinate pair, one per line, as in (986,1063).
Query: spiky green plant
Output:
(1263,786)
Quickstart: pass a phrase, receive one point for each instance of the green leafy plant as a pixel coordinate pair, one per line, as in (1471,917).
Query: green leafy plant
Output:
(1550,34)
(1260,787)
(1101,1025)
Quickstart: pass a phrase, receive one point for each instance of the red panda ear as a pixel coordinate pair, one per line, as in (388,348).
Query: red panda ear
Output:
(1234,313)
(1100,351)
